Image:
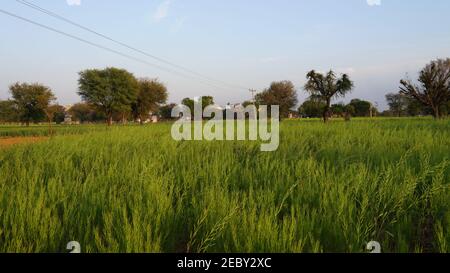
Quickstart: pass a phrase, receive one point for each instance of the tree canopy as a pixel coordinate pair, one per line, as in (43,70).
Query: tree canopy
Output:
(282,94)
(111,90)
(32,101)
(8,111)
(397,103)
(84,112)
(190,103)
(56,113)
(152,94)
(326,87)
(165,111)
(312,108)
(361,108)
(433,88)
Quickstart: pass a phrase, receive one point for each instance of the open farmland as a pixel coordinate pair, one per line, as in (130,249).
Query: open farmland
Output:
(328,188)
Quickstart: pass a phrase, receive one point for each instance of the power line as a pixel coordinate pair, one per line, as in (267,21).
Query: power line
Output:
(59,17)
(103,47)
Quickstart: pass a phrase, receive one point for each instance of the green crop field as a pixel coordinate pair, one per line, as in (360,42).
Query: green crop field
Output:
(328,188)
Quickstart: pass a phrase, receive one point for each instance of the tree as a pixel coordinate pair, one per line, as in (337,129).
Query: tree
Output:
(282,94)
(52,113)
(400,105)
(32,101)
(81,112)
(312,108)
(433,89)
(338,109)
(190,103)
(414,108)
(8,111)
(150,97)
(207,101)
(445,109)
(349,111)
(327,87)
(362,108)
(111,90)
(397,103)
(56,113)
(247,103)
(166,111)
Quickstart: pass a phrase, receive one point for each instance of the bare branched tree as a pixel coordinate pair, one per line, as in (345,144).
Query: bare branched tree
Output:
(433,89)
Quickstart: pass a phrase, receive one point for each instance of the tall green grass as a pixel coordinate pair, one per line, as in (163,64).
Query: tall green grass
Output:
(45,130)
(328,188)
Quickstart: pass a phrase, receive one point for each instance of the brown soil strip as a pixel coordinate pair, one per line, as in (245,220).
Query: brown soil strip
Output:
(11,141)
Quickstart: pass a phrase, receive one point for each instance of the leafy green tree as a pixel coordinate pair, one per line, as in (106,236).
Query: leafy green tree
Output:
(81,112)
(111,90)
(282,94)
(349,111)
(56,113)
(32,101)
(415,108)
(362,108)
(165,111)
(189,103)
(8,111)
(312,108)
(206,101)
(445,110)
(338,109)
(326,87)
(400,105)
(397,103)
(247,103)
(433,89)
(152,94)
(84,112)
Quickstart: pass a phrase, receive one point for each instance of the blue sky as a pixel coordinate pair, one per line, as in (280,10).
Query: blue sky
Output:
(249,43)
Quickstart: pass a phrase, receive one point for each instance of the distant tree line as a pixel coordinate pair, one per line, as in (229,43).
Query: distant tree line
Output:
(30,103)
(315,108)
(110,94)
(117,94)
(114,94)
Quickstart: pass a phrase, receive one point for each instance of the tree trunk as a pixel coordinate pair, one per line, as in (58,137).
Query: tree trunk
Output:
(436,113)
(326,113)
(347,117)
(109,121)
(325,116)
(50,129)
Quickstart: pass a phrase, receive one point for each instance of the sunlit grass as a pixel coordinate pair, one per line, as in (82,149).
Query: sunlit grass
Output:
(328,188)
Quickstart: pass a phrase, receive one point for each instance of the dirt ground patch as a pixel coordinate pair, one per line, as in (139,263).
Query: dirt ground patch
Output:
(11,141)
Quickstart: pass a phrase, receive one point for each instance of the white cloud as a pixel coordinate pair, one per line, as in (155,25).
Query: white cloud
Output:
(73,2)
(162,11)
(374,2)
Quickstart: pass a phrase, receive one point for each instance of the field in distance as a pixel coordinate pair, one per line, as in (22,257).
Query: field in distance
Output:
(328,188)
